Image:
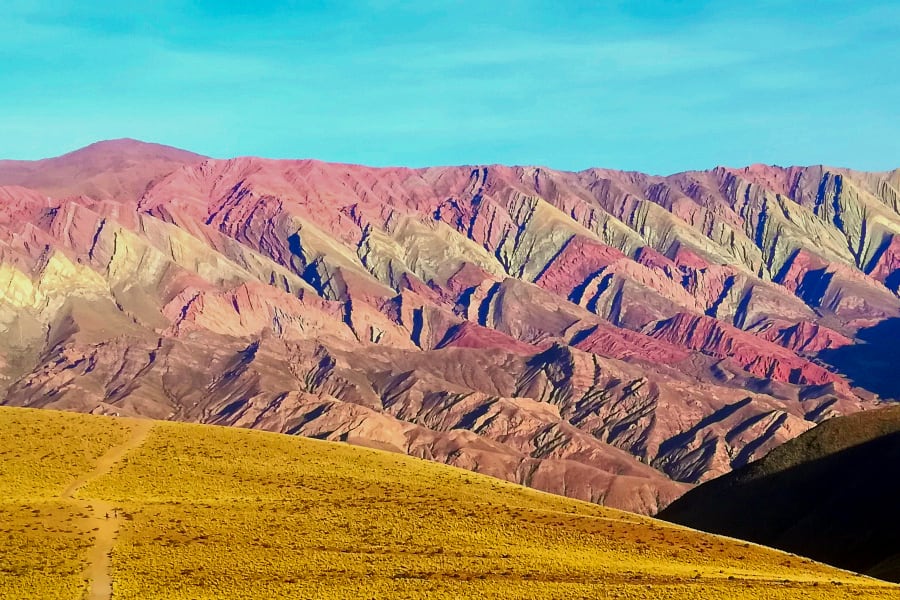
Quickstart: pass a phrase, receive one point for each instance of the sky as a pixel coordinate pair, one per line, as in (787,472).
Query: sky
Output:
(658,86)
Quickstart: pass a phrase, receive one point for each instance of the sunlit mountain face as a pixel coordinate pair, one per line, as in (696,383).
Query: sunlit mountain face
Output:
(610,336)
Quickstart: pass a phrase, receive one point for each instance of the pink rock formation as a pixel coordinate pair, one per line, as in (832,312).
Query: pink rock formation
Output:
(613,336)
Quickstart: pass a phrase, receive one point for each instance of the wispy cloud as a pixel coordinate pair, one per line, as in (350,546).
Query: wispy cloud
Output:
(655,85)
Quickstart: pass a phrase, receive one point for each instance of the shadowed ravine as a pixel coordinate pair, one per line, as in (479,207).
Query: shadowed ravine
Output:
(872,363)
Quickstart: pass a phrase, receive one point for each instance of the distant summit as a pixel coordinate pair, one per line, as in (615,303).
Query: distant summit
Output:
(108,170)
(131,148)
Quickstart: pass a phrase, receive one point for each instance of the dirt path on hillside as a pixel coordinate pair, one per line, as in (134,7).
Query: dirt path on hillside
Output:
(104,517)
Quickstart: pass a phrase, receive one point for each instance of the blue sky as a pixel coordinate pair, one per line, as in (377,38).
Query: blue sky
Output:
(668,86)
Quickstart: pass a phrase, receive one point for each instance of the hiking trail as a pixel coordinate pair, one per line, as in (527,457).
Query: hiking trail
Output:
(104,517)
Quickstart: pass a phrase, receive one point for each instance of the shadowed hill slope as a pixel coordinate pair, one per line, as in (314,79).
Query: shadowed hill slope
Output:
(157,510)
(830,494)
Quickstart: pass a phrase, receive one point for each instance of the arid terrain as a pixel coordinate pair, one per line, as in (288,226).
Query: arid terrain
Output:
(610,336)
(124,508)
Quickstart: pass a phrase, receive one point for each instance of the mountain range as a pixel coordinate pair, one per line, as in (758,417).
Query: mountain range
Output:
(611,336)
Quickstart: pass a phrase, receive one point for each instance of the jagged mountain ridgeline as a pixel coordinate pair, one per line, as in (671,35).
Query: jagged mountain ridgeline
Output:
(614,337)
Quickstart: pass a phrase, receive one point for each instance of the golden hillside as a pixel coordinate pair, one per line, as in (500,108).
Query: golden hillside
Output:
(207,512)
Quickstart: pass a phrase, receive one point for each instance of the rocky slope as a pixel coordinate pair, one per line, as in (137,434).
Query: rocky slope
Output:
(790,498)
(611,336)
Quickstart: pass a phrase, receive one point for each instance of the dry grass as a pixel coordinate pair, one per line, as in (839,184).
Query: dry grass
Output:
(41,452)
(44,539)
(42,547)
(228,513)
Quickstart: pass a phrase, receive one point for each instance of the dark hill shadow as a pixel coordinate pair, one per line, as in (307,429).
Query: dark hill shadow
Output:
(839,509)
(872,363)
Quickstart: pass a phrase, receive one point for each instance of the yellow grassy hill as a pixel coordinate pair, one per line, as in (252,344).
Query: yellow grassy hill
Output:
(207,512)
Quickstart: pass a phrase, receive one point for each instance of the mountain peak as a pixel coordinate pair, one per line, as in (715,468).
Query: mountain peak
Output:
(117,169)
(131,148)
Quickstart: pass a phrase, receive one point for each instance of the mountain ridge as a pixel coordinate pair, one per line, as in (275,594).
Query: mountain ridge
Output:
(613,336)
(130,144)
